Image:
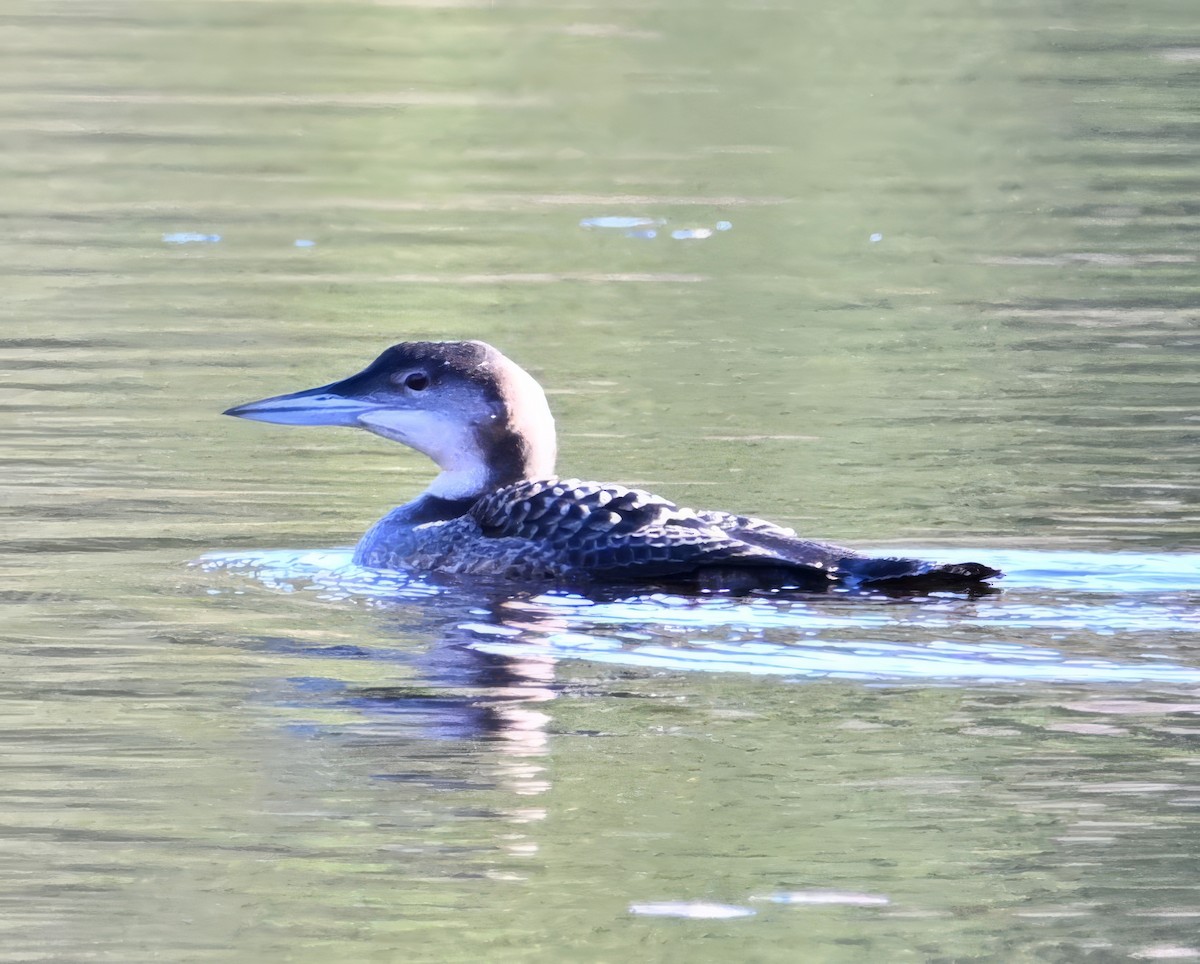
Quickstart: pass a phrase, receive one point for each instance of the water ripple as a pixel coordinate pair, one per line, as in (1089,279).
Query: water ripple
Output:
(1017,635)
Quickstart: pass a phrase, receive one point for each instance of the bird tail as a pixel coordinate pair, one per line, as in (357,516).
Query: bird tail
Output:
(911,575)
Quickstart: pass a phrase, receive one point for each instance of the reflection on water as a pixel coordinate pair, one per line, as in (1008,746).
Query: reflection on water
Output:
(803,796)
(850,636)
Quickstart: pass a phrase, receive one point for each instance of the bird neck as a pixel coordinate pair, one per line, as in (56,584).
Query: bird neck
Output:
(507,450)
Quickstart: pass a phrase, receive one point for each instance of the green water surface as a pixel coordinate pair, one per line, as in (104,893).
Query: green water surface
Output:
(955,305)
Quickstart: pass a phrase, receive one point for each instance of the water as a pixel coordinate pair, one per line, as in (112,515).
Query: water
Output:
(1049,599)
(934,292)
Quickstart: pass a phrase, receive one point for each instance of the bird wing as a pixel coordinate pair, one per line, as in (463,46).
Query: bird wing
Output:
(616,532)
(898,572)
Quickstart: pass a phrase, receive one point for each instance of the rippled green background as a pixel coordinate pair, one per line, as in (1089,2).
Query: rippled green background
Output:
(1012,364)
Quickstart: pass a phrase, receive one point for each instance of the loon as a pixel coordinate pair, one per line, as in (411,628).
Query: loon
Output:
(496,509)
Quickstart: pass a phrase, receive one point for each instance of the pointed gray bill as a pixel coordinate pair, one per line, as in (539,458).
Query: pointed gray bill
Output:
(316,406)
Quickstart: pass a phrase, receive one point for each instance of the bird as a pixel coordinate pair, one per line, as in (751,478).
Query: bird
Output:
(496,508)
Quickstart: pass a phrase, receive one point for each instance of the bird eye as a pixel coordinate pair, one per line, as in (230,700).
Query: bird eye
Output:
(416,381)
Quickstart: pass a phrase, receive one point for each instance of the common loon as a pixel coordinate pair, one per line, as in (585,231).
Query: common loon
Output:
(496,508)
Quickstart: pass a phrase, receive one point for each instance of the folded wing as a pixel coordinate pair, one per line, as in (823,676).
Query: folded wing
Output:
(616,533)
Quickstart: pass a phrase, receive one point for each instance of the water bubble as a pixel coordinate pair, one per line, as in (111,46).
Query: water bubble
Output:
(190,237)
(617,222)
(876,238)
(692,234)
(723,225)
(642,233)
(304,243)
(850,898)
(692,910)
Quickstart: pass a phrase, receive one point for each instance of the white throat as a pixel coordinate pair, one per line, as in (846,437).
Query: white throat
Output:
(452,445)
